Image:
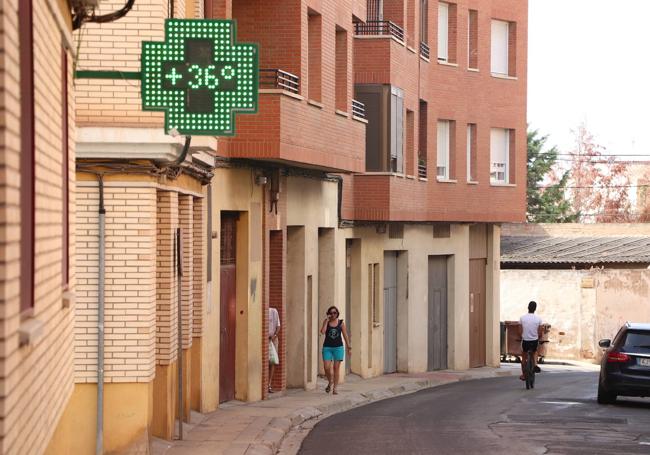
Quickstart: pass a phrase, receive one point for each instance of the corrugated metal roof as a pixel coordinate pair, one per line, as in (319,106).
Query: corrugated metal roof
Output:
(575,250)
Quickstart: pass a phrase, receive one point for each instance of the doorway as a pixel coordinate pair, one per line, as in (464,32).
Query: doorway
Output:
(437,318)
(228,301)
(390,311)
(477,347)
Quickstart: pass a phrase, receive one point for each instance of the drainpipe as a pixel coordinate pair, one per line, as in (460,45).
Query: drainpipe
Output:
(99,443)
(339,201)
(179,257)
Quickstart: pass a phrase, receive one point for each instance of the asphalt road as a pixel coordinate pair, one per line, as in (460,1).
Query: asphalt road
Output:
(491,416)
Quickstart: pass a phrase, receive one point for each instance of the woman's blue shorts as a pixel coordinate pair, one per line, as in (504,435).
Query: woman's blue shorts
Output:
(337,353)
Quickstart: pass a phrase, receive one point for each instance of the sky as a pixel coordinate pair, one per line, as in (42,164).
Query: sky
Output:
(589,62)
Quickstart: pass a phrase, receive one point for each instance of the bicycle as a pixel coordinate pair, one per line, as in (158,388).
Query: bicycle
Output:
(529,372)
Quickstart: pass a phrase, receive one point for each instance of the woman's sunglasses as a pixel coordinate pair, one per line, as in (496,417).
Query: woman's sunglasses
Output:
(332,313)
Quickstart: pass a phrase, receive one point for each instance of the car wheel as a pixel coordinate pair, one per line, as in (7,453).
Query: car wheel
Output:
(605,397)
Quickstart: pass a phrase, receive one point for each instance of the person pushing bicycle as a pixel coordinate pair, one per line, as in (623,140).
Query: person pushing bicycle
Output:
(530,331)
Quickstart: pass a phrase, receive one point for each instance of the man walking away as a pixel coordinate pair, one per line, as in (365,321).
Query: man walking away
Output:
(530,331)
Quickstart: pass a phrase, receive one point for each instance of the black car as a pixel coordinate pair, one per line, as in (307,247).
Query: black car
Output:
(625,368)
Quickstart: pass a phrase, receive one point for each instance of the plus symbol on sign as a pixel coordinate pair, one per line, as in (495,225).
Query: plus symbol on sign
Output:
(174,76)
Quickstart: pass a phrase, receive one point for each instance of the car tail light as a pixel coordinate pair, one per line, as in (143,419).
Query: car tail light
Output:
(617,357)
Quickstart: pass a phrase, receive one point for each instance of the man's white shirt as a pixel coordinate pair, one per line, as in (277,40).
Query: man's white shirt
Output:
(530,323)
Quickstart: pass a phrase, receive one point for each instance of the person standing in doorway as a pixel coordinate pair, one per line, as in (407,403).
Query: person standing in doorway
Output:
(274,329)
(333,351)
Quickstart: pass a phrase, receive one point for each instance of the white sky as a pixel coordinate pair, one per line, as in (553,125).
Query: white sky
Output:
(589,61)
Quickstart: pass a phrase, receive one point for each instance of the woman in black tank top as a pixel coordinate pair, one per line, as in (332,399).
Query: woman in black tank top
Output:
(333,353)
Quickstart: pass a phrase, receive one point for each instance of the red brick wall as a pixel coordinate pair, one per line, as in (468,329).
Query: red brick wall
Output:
(454,93)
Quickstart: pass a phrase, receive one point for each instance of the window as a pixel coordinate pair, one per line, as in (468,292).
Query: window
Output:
(410,143)
(471,152)
(396,130)
(27,155)
(472,39)
(341,70)
(447,32)
(444,150)
(499,155)
(422,140)
(385,128)
(443,31)
(314,68)
(503,48)
(424,21)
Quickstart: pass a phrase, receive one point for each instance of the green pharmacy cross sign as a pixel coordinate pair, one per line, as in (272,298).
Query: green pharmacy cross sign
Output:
(200,77)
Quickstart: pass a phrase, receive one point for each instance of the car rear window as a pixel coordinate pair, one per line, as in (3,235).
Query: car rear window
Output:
(637,340)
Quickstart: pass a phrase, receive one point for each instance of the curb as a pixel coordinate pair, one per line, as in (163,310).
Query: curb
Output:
(279,428)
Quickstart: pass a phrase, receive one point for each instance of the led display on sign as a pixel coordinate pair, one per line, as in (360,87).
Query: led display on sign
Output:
(200,77)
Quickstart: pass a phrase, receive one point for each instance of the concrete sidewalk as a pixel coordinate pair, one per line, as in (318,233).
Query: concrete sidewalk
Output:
(280,423)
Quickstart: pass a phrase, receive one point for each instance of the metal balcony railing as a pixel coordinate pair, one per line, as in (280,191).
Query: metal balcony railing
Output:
(422,171)
(379,28)
(425,51)
(283,80)
(358,109)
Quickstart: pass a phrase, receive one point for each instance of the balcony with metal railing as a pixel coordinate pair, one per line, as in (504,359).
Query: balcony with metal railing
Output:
(290,129)
(358,109)
(273,78)
(379,28)
(425,51)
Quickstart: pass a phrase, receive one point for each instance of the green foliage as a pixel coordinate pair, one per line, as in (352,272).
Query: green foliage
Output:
(546,203)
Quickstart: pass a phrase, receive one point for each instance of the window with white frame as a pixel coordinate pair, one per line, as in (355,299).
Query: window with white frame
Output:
(499,47)
(442,162)
(471,152)
(443,31)
(499,155)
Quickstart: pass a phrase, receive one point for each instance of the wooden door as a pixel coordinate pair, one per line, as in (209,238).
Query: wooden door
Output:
(437,318)
(390,311)
(228,306)
(477,344)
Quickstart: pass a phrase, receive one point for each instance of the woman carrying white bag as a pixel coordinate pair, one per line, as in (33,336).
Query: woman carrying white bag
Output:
(274,329)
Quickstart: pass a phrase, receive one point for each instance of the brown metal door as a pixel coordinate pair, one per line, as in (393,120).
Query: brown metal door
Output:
(477,313)
(228,307)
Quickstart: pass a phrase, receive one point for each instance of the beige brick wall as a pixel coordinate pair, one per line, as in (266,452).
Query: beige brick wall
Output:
(130,286)
(35,380)
(186,221)
(116,46)
(167,289)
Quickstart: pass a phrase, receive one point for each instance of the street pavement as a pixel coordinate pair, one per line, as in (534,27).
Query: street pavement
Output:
(492,416)
(278,425)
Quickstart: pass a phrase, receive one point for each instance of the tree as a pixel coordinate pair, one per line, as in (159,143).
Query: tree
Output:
(598,185)
(546,190)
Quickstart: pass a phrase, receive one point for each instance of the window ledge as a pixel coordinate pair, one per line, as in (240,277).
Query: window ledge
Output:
(472,182)
(380,173)
(444,63)
(504,76)
(428,60)
(387,37)
(276,91)
(317,104)
(473,70)
(359,119)
(440,180)
(507,185)
(30,331)
(411,177)
(411,49)
(342,113)
(423,179)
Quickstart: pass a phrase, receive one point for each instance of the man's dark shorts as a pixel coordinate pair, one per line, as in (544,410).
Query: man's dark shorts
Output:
(529,346)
